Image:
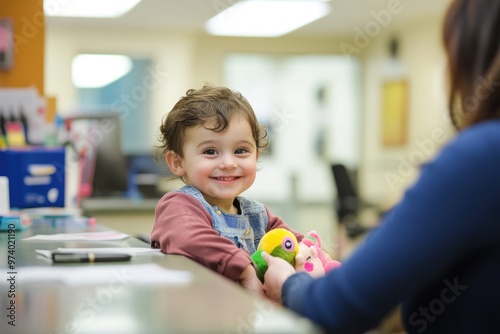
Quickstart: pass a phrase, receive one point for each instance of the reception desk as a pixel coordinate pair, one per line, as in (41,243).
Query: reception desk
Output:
(208,303)
(131,216)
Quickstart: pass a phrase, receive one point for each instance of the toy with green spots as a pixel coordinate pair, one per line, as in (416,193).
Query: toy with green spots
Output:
(278,242)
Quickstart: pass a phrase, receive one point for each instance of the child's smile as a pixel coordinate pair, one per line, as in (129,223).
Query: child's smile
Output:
(221,165)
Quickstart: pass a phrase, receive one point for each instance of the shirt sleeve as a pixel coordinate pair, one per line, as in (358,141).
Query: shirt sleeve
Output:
(182,226)
(444,217)
(278,222)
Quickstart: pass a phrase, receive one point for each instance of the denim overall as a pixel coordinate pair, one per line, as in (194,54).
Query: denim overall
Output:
(245,229)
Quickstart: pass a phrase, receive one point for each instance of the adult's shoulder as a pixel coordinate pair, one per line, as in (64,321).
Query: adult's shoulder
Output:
(484,135)
(469,163)
(478,142)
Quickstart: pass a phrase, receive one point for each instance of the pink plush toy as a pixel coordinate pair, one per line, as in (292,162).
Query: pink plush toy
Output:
(308,260)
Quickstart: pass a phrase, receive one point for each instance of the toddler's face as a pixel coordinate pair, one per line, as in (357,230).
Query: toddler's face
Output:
(220,164)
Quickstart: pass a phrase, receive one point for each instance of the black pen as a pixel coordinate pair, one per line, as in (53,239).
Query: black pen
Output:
(62,257)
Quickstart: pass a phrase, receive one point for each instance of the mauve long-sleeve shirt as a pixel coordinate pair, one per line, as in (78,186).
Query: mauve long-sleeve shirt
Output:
(183,226)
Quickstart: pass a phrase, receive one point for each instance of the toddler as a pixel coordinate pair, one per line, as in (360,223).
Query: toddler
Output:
(211,140)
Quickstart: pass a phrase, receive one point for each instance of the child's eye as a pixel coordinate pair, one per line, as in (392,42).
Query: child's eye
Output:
(241,151)
(210,151)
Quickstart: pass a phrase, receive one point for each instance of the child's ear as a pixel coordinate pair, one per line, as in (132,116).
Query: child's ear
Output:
(174,162)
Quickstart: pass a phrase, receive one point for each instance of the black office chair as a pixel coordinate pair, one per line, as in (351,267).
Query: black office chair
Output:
(348,204)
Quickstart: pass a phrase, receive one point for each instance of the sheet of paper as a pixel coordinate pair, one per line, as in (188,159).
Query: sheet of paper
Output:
(104,274)
(101,250)
(89,236)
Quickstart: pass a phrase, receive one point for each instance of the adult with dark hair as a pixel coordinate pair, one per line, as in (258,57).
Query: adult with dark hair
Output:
(437,252)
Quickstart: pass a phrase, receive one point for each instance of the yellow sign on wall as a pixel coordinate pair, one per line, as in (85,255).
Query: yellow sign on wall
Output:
(394,112)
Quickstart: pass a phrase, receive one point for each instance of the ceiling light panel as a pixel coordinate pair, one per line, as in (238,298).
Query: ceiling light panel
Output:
(266,18)
(88,8)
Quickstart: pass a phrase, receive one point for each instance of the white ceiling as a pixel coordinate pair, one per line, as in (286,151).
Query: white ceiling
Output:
(190,15)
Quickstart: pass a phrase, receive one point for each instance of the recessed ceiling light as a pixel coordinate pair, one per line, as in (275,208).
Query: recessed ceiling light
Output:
(98,70)
(266,18)
(88,8)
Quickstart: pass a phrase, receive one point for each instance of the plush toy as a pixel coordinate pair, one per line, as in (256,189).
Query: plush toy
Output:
(312,239)
(307,260)
(278,242)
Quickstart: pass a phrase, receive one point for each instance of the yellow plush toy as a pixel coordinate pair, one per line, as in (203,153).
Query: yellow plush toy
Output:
(278,242)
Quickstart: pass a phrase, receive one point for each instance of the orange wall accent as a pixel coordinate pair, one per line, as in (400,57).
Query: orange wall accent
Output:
(29,44)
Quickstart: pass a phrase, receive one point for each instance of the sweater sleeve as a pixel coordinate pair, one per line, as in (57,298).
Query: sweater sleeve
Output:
(182,226)
(445,216)
(278,222)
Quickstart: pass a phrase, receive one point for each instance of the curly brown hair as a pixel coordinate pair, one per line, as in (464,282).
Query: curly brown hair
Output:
(200,106)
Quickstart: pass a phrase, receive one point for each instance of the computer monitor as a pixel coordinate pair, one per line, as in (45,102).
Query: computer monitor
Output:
(103,166)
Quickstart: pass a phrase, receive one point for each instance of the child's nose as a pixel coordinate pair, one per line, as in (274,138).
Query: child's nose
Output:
(227,162)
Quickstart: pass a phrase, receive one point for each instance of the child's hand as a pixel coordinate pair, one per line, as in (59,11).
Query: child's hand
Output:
(249,280)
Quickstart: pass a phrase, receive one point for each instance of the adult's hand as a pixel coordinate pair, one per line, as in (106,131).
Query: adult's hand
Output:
(277,273)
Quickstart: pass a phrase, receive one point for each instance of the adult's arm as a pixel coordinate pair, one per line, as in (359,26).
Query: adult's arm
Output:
(440,219)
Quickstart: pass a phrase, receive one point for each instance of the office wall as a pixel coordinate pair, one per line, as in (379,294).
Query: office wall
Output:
(186,60)
(171,53)
(293,172)
(315,96)
(211,51)
(387,171)
(29,38)
(182,60)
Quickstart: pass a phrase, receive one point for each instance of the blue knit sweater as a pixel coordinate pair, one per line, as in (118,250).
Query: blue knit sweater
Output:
(437,253)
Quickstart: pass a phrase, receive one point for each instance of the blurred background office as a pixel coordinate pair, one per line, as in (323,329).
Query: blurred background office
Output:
(361,84)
